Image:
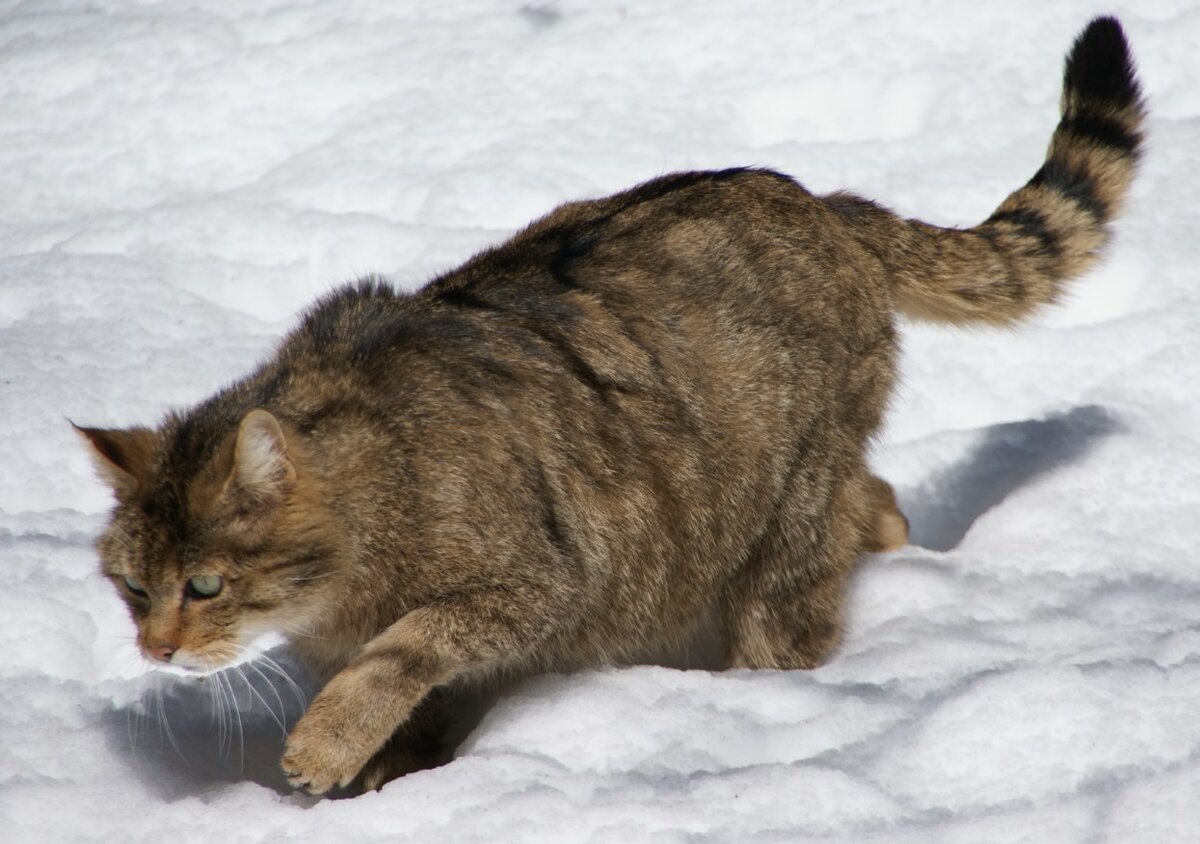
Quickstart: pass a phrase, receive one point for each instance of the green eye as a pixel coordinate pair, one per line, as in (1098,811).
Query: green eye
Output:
(205,585)
(134,586)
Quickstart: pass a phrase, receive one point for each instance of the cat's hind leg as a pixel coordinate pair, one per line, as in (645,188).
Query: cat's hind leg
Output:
(889,527)
(783,609)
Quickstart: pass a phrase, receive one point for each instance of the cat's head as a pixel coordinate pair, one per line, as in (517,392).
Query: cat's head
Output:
(214,540)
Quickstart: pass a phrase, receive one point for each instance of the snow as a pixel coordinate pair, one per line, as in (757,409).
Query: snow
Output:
(180,177)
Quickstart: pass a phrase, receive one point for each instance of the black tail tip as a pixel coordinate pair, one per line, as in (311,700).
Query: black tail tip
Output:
(1100,67)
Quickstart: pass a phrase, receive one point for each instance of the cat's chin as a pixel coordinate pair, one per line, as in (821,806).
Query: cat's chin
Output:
(182,670)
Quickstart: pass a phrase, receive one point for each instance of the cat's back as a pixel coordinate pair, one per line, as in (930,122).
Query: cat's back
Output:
(727,306)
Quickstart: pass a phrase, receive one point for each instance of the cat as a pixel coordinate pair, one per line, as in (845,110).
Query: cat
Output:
(639,410)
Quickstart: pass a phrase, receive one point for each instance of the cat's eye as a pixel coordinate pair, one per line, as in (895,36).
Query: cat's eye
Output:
(134,586)
(205,585)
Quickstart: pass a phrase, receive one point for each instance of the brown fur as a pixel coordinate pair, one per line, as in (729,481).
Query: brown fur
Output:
(639,410)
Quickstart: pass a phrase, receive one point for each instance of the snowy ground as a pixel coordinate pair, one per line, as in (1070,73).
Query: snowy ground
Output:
(178,178)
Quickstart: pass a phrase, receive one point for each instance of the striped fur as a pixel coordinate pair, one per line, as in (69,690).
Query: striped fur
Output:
(1045,233)
(638,412)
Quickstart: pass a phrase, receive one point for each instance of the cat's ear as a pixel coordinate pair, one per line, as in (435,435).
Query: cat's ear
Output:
(262,469)
(123,456)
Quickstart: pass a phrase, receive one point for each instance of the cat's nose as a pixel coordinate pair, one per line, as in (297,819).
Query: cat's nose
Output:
(161,652)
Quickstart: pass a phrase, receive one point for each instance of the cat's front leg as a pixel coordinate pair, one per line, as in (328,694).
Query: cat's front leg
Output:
(351,719)
(364,704)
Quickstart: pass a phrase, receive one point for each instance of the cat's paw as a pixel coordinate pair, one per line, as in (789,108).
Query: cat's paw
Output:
(318,756)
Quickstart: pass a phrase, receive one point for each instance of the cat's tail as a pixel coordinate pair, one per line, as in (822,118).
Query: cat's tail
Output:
(1054,227)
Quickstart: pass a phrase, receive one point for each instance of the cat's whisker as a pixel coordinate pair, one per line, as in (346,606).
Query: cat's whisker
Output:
(159,719)
(222,652)
(261,699)
(212,710)
(297,630)
(256,693)
(241,733)
(274,691)
(274,666)
(139,710)
(164,722)
(219,709)
(142,716)
(311,577)
(133,715)
(225,735)
(230,710)
(218,700)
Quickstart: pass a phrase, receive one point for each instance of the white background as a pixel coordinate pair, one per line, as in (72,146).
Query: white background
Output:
(177,179)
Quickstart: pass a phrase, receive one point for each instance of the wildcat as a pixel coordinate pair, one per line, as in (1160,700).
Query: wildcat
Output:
(639,410)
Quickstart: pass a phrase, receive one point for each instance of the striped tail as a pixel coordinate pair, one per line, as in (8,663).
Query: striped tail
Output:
(1054,227)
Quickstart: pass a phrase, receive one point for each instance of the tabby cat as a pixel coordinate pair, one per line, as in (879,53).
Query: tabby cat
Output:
(639,411)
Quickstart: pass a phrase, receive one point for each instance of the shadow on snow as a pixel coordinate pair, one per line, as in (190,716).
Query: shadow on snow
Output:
(942,508)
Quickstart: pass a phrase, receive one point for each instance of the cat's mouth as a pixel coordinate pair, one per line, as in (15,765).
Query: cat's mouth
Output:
(197,663)
(219,655)
(192,658)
